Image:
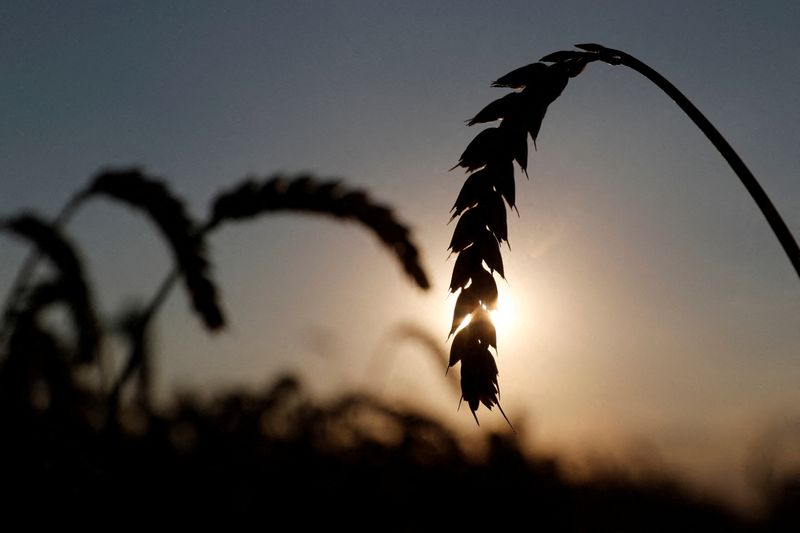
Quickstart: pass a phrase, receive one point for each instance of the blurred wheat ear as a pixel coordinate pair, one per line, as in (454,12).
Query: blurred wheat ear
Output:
(248,200)
(187,240)
(482,225)
(306,194)
(70,287)
(153,196)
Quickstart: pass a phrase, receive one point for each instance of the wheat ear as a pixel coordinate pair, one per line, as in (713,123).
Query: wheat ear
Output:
(152,196)
(71,287)
(305,193)
(482,222)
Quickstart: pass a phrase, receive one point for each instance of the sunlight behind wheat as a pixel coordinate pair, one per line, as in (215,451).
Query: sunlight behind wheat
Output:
(509,314)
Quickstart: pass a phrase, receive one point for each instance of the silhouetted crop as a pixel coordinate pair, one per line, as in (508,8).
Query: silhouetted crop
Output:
(23,331)
(70,287)
(305,193)
(482,226)
(153,196)
(360,462)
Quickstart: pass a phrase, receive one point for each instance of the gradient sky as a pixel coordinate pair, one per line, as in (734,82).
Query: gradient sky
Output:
(652,302)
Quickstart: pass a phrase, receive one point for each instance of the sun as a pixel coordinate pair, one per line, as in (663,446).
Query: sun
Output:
(506,317)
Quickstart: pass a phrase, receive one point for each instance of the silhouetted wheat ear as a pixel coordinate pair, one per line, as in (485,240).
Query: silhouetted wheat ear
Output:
(71,287)
(305,193)
(482,226)
(153,196)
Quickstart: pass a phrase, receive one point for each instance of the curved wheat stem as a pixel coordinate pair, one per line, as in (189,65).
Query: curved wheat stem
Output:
(132,324)
(757,193)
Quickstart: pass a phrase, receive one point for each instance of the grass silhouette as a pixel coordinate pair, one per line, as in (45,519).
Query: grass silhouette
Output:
(22,330)
(357,461)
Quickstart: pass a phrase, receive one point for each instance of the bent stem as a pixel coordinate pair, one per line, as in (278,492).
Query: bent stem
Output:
(149,312)
(26,271)
(133,362)
(760,197)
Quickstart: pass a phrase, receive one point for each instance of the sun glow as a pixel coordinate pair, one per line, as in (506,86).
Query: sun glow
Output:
(502,319)
(464,323)
(506,316)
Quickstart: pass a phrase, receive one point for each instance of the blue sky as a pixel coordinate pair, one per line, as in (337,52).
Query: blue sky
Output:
(651,299)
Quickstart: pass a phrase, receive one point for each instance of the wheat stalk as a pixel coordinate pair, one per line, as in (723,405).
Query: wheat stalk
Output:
(482,224)
(250,199)
(595,52)
(71,287)
(154,197)
(187,241)
(132,325)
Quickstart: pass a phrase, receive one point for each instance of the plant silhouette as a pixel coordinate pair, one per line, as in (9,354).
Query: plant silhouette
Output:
(264,452)
(482,225)
(71,286)
(22,327)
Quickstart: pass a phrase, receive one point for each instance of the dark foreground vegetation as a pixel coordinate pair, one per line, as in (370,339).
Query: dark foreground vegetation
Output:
(352,462)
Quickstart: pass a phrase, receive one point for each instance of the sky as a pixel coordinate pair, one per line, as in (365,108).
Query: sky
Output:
(649,303)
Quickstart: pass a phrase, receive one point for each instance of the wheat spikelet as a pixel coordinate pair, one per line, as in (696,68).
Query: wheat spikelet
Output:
(71,286)
(305,193)
(480,207)
(152,196)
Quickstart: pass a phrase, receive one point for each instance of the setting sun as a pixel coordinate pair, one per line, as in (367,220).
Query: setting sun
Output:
(506,316)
